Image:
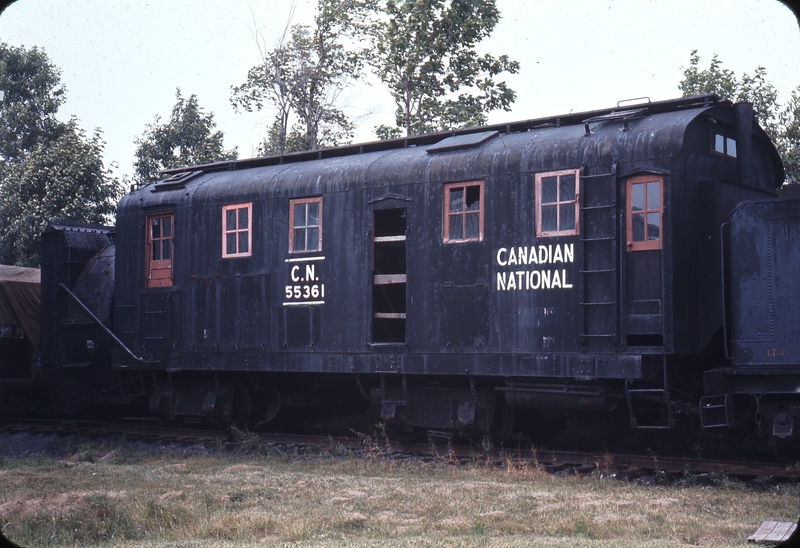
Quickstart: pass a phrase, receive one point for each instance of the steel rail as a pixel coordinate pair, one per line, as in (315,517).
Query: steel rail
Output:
(620,465)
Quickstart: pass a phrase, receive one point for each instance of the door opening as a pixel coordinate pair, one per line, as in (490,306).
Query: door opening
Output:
(389,276)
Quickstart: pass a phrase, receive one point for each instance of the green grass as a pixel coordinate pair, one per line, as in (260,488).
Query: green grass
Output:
(111,495)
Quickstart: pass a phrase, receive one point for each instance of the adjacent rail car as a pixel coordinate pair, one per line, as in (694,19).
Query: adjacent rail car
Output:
(475,279)
(761,259)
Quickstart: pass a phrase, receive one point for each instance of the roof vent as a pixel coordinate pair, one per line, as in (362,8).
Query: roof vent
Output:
(176,181)
(462,141)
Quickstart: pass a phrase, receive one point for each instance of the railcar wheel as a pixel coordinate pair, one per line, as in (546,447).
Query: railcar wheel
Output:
(242,406)
(267,404)
(503,421)
(538,428)
(403,436)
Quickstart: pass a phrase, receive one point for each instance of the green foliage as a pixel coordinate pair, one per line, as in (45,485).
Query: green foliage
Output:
(278,141)
(61,180)
(781,124)
(789,144)
(303,78)
(384,132)
(425,54)
(715,79)
(267,84)
(188,138)
(423,50)
(49,170)
(33,94)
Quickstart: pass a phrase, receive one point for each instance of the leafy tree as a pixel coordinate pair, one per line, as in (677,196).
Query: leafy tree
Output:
(305,75)
(714,79)
(49,170)
(425,54)
(60,180)
(188,138)
(789,145)
(781,124)
(32,95)
(278,141)
(724,82)
(269,84)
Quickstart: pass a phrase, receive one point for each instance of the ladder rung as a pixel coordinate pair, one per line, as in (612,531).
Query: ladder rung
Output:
(379,239)
(386,279)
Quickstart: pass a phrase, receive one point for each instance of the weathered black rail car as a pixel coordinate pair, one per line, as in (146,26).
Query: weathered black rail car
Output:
(761,244)
(561,265)
(77,291)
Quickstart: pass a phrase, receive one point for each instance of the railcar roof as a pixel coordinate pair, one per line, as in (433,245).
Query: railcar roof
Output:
(586,119)
(629,133)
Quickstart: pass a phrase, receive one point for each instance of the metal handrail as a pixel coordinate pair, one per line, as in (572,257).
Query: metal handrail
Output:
(103,326)
(724,311)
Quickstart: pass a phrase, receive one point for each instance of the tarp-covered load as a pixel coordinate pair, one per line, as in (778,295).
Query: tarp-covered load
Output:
(20,299)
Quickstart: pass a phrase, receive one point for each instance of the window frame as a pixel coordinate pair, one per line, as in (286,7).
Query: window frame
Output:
(293,202)
(644,245)
(226,230)
(538,203)
(725,145)
(446,214)
(159,265)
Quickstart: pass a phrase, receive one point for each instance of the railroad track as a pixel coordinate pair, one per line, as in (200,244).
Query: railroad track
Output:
(626,466)
(621,465)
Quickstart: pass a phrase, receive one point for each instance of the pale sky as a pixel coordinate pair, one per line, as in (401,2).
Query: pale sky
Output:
(121,61)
